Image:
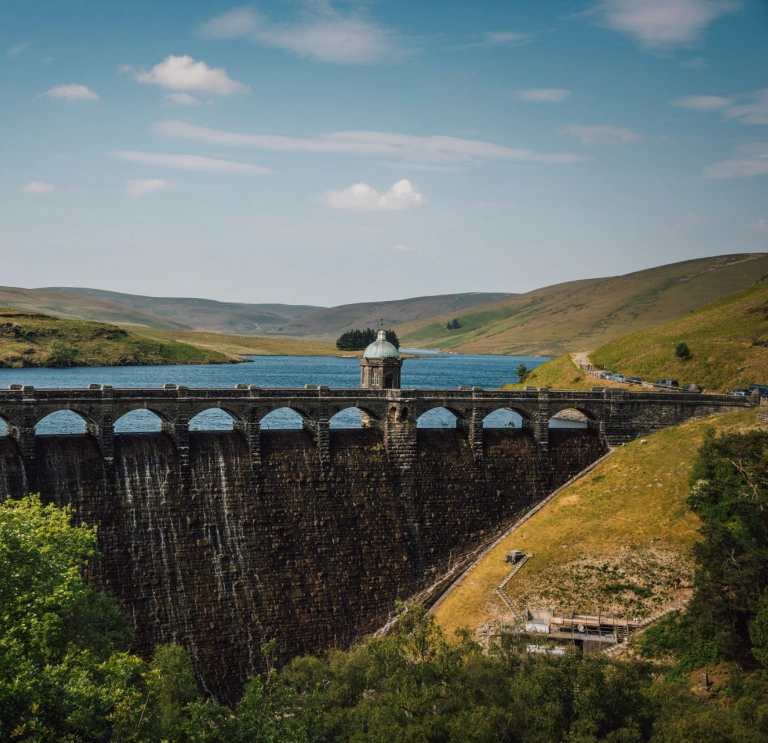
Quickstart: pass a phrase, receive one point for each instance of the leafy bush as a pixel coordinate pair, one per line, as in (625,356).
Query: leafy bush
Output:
(682,351)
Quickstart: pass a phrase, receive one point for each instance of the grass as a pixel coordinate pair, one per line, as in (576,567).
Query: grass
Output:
(243,345)
(563,374)
(618,539)
(728,340)
(585,314)
(32,339)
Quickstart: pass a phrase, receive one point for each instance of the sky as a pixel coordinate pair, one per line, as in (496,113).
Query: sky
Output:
(309,152)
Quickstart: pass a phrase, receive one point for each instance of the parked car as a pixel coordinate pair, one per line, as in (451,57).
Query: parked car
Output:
(634,380)
(605,375)
(667,383)
(761,388)
(740,393)
(691,388)
(618,378)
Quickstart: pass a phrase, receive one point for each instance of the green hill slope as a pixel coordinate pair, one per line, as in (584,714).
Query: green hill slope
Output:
(618,540)
(329,323)
(728,340)
(581,315)
(31,339)
(202,314)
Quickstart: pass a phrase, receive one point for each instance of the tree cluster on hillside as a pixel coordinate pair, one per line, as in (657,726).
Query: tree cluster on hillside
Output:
(65,674)
(359,340)
(453,324)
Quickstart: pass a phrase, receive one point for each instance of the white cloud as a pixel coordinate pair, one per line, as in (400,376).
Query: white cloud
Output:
(142,187)
(760,226)
(738,168)
(400,248)
(72,92)
(602,134)
(695,63)
(323,34)
(190,162)
(363,198)
(183,99)
(38,187)
(703,102)
(183,73)
(662,23)
(543,95)
(424,167)
(431,150)
(17,49)
(754,111)
(506,38)
(748,108)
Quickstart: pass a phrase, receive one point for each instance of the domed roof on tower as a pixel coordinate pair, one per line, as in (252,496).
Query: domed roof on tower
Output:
(381,348)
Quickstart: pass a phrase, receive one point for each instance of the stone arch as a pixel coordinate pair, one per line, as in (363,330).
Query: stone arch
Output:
(582,415)
(569,418)
(503,418)
(284,417)
(213,419)
(5,425)
(436,417)
(63,421)
(119,411)
(525,415)
(353,416)
(139,420)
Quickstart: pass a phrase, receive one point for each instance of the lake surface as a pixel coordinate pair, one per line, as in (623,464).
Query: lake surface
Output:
(432,370)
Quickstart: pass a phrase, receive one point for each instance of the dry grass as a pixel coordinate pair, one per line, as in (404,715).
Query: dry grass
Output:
(242,345)
(617,539)
(586,314)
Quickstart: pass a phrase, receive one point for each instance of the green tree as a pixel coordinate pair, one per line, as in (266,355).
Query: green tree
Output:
(63,673)
(522,373)
(682,351)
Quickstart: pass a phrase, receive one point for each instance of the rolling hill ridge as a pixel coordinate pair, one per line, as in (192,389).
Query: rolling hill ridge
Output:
(585,314)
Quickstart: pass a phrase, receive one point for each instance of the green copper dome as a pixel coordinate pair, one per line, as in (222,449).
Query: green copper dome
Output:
(381,348)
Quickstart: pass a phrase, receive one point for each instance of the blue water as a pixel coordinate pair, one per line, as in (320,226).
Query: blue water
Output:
(430,371)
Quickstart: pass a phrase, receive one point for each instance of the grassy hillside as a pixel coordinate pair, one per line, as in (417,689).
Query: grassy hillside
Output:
(561,373)
(243,345)
(579,315)
(202,314)
(329,324)
(31,339)
(728,340)
(617,540)
(77,307)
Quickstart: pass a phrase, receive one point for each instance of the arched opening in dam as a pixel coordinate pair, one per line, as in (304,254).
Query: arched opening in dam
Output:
(570,418)
(60,422)
(437,418)
(213,419)
(139,421)
(347,418)
(503,418)
(282,418)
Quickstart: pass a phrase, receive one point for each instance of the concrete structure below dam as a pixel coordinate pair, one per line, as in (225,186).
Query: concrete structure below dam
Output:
(223,540)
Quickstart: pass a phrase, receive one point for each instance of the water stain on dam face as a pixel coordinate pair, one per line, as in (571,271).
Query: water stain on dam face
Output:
(314,554)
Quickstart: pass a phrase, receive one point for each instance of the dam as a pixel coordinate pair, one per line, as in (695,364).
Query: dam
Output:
(224,540)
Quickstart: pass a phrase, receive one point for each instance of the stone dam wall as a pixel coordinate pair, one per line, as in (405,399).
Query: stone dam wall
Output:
(313,553)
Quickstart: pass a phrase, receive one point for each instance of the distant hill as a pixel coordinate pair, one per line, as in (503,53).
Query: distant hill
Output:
(201,314)
(79,307)
(582,315)
(728,340)
(328,324)
(30,339)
